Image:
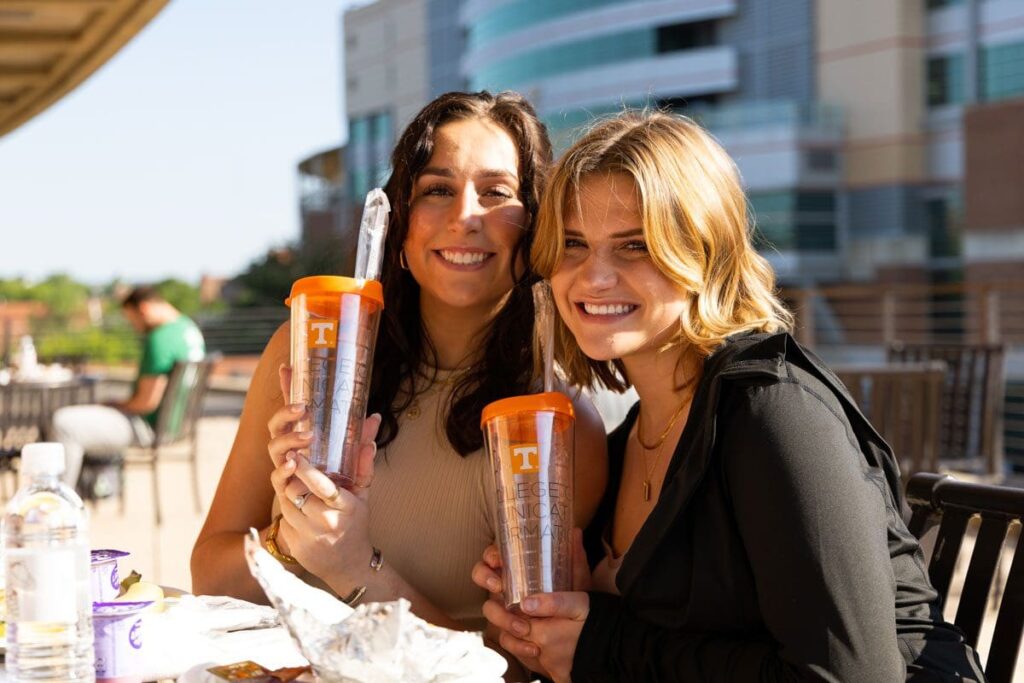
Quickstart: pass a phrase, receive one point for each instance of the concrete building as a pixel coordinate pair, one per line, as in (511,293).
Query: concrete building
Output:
(746,70)
(399,54)
(851,122)
(908,75)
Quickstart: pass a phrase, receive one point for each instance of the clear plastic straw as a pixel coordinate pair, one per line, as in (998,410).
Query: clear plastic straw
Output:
(544,331)
(372,229)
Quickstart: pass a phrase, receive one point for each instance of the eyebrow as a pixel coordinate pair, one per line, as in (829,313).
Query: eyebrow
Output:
(486,173)
(634,232)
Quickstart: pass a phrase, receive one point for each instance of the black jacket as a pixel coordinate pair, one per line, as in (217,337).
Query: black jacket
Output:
(776,551)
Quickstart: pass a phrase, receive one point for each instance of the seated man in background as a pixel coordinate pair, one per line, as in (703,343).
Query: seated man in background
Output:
(170,337)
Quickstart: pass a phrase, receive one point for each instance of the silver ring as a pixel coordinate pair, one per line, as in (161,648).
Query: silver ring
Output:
(300,500)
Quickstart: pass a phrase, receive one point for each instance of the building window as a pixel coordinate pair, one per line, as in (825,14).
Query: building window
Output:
(1002,71)
(677,37)
(692,106)
(945,80)
(821,160)
(795,221)
(358,130)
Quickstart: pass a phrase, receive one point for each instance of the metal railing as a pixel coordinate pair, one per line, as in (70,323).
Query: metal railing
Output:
(241,331)
(859,322)
(869,315)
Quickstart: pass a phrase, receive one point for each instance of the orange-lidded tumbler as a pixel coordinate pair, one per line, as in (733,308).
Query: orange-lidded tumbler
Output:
(530,441)
(334,323)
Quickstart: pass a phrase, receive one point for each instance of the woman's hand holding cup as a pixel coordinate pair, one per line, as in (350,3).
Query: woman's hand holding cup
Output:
(324,527)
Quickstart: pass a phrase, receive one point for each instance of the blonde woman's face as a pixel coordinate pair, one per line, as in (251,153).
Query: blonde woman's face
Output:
(612,297)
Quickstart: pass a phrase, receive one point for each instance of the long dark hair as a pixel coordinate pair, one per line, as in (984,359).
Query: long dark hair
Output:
(505,364)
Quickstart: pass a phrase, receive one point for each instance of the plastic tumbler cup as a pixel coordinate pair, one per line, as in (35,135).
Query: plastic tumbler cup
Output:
(334,324)
(530,443)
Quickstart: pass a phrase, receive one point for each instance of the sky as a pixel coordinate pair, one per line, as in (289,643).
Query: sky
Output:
(178,157)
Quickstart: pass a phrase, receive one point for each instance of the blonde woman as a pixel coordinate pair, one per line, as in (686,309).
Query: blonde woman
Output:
(751,527)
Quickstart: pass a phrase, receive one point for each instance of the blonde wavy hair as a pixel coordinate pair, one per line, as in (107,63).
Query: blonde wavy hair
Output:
(695,223)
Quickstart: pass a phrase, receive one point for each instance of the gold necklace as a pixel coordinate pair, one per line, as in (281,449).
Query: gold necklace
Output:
(661,442)
(664,434)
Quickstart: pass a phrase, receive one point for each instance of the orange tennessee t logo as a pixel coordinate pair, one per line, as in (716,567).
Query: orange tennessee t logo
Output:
(322,334)
(525,459)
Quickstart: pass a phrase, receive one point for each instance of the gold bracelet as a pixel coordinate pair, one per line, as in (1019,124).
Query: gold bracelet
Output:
(352,598)
(271,543)
(376,563)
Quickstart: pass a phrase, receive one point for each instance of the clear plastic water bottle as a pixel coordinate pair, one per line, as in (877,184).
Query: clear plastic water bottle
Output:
(46,567)
(27,358)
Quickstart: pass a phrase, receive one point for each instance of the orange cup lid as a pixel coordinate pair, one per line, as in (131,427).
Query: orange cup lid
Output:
(551,401)
(321,286)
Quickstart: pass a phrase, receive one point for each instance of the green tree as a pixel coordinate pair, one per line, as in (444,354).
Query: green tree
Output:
(15,290)
(181,295)
(63,296)
(268,280)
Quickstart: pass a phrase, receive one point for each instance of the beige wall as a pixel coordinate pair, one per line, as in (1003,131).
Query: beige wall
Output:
(871,62)
(386,59)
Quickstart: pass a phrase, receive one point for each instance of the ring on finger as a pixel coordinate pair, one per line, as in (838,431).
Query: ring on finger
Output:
(300,500)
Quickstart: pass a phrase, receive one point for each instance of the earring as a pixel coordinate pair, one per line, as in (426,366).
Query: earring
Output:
(402,261)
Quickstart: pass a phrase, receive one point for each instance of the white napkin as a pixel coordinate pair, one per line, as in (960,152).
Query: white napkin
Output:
(376,642)
(207,630)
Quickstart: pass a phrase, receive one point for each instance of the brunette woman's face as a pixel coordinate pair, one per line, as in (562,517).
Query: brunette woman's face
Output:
(612,297)
(466,218)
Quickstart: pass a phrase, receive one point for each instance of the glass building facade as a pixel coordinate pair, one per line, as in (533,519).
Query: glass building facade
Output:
(736,67)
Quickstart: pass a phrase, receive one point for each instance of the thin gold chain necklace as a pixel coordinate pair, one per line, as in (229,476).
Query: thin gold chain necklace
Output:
(648,471)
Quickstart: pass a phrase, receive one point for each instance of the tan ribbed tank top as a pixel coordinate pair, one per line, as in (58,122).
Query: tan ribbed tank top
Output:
(431,509)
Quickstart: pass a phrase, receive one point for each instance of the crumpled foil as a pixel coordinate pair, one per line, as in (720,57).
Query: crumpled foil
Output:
(380,642)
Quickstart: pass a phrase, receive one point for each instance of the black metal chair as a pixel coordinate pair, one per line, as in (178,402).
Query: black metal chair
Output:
(175,429)
(26,411)
(940,499)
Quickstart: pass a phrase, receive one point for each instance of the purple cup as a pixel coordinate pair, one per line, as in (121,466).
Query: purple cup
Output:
(118,628)
(106,584)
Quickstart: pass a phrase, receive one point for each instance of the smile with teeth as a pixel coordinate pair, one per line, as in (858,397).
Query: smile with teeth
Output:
(463,258)
(608,309)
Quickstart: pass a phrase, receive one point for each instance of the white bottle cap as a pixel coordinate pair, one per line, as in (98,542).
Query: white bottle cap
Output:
(43,458)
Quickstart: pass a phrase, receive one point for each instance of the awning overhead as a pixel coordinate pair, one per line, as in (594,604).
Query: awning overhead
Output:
(48,47)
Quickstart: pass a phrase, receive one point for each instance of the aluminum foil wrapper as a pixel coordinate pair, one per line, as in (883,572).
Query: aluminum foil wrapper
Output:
(380,642)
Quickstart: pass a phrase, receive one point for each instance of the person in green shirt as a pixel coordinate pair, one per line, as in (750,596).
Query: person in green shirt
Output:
(170,337)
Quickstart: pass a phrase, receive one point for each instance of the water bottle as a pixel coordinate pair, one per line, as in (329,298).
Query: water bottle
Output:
(46,567)
(27,358)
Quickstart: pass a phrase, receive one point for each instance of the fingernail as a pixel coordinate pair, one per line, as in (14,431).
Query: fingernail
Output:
(305,435)
(530,604)
(289,458)
(493,585)
(534,651)
(519,627)
(297,407)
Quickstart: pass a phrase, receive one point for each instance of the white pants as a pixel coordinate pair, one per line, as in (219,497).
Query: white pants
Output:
(96,429)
